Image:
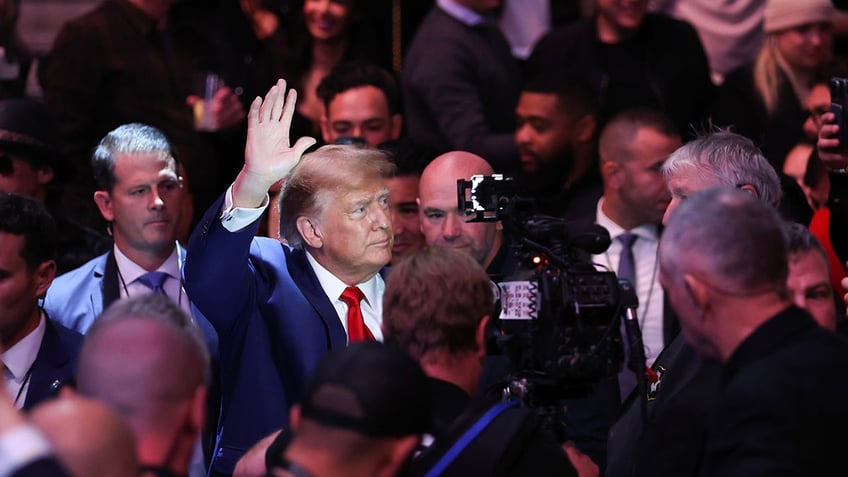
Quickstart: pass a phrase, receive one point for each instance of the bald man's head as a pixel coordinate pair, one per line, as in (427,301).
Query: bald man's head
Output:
(87,437)
(152,372)
(442,223)
(140,366)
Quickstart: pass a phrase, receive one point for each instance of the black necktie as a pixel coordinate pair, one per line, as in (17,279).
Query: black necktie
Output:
(627,271)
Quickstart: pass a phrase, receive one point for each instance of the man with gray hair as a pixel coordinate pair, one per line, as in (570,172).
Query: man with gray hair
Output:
(724,158)
(720,158)
(723,262)
(278,308)
(147,361)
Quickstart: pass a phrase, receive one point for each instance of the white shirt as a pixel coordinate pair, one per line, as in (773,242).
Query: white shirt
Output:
(648,289)
(129,272)
(371,305)
(19,360)
(236,218)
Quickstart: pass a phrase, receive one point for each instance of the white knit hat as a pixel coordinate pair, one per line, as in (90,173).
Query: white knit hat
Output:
(784,14)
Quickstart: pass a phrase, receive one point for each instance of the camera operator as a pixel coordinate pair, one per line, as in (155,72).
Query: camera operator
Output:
(447,337)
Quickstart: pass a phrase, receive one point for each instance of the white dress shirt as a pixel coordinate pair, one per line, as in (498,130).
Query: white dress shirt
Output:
(648,289)
(19,360)
(236,218)
(371,305)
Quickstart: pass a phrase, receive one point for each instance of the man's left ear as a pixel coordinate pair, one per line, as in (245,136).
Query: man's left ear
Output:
(43,276)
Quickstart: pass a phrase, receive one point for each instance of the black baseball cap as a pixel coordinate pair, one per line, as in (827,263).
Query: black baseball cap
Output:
(372,388)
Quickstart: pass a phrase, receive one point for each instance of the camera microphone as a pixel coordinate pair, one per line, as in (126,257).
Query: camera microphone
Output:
(591,238)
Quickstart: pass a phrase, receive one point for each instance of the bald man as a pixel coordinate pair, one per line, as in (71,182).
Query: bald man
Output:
(443,224)
(87,437)
(143,360)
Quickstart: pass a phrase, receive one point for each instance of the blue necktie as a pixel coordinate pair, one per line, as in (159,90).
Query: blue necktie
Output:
(154,281)
(627,271)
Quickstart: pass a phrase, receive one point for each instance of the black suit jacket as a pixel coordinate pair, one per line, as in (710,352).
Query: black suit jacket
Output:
(783,406)
(670,437)
(55,365)
(46,467)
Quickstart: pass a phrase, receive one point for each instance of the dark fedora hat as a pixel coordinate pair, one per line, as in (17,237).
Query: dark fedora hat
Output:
(28,132)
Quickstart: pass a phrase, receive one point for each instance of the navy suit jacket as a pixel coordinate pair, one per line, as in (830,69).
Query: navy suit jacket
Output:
(274,323)
(55,364)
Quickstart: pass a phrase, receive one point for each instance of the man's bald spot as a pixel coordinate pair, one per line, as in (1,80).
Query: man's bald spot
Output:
(450,166)
(87,436)
(139,366)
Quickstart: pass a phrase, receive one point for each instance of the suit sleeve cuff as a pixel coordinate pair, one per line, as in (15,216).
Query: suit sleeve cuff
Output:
(235,219)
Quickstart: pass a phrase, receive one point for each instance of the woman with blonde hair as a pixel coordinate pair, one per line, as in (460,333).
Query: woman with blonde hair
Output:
(765,100)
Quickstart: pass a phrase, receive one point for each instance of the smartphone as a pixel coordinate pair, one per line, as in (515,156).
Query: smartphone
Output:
(839,108)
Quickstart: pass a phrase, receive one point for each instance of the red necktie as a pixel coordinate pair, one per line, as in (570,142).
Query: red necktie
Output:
(356,329)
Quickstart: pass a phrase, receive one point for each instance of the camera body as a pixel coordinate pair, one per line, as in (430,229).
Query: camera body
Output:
(559,318)
(839,108)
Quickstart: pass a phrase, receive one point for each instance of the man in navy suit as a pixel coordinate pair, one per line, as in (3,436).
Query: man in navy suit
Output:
(38,356)
(278,308)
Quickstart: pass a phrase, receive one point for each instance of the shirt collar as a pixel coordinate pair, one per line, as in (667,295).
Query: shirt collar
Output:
(130,271)
(20,357)
(646,232)
(334,287)
(462,13)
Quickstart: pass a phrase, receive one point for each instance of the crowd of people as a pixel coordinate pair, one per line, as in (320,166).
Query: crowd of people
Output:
(231,241)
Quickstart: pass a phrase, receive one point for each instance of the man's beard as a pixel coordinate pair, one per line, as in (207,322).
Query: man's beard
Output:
(548,179)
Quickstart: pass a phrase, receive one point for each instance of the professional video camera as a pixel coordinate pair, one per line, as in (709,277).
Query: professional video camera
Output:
(560,317)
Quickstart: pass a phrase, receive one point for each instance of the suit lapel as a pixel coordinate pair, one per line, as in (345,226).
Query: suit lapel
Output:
(303,275)
(52,356)
(111,285)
